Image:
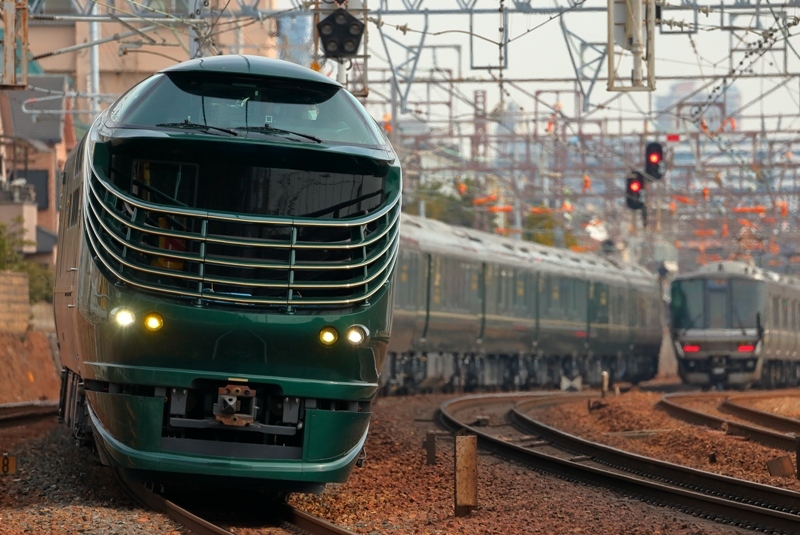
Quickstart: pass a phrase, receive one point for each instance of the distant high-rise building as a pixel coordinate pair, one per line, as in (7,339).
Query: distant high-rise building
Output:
(677,104)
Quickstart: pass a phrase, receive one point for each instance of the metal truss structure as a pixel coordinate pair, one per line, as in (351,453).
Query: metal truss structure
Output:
(538,153)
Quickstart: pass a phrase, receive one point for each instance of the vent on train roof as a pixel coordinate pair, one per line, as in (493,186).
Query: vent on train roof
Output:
(525,250)
(414,224)
(473,238)
(509,247)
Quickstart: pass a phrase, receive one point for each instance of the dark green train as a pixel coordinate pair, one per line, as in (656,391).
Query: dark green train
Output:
(473,310)
(228,237)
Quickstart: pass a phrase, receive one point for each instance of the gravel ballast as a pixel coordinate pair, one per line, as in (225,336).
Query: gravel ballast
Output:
(63,489)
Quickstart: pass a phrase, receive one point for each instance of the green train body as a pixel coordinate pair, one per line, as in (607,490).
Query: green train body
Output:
(474,310)
(223,298)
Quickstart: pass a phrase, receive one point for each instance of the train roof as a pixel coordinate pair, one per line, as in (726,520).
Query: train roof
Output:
(728,268)
(253,65)
(433,236)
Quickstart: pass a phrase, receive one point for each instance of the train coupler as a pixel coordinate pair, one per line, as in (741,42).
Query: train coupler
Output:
(236,405)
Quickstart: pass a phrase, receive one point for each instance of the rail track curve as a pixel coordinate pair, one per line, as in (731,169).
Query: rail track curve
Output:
(703,494)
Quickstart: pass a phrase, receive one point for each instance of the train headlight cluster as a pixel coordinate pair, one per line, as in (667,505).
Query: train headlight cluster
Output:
(357,335)
(153,322)
(123,316)
(328,336)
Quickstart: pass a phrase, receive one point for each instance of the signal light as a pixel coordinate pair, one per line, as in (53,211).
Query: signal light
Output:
(633,191)
(653,160)
(341,34)
(691,348)
(746,348)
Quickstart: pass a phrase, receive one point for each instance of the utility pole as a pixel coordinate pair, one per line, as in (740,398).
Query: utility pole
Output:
(15,27)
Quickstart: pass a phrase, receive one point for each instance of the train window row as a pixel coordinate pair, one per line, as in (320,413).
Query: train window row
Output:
(457,285)
(785,313)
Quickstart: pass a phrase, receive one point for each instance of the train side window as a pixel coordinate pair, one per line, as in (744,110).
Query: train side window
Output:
(785,313)
(436,292)
(775,320)
(74,204)
(543,291)
(555,297)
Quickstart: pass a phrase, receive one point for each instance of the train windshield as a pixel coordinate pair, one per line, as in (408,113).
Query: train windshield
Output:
(715,303)
(255,107)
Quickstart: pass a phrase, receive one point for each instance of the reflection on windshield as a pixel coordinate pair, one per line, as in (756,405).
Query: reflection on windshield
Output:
(715,303)
(745,302)
(232,102)
(687,304)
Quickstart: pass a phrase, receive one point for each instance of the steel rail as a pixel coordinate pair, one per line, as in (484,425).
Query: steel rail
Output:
(283,512)
(672,403)
(737,406)
(733,501)
(17,411)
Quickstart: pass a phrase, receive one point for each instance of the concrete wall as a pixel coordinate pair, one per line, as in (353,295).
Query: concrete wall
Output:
(15,309)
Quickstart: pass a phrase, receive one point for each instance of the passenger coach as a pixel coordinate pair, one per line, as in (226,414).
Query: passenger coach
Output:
(475,310)
(735,325)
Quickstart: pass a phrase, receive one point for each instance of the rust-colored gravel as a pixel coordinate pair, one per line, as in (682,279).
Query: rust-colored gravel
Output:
(63,490)
(397,493)
(677,442)
(788,406)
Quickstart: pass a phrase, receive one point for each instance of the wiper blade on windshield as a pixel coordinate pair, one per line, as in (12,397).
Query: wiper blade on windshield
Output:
(187,124)
(271,130)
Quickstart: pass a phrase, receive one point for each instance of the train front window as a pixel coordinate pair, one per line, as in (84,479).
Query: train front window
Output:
(715,303)
(746,297)
(687,304)
(255,108)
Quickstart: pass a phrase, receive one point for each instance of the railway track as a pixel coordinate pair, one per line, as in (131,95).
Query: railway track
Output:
(14,413)
(767,429)
(278,514)
(283,515)
(516,435)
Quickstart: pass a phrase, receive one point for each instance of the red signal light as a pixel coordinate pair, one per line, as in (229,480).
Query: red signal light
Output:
(654,157)
(691,348)
(636,186)
(746,348)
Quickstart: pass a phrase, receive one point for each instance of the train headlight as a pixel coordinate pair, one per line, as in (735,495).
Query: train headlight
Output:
(357,334)
(153,322)
(328,336)
(123,316)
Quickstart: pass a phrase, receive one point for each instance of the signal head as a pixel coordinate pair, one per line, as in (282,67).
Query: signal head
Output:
(340,33)
(653,156)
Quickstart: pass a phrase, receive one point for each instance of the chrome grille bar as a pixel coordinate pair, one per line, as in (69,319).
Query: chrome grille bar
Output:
(247,259)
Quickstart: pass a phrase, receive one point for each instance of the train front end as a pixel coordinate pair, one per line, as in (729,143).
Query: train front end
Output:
(240,232)
(717,330)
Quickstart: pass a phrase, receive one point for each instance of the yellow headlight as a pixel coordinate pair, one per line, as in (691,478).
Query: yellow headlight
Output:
(153,322)
(123,316)
(328,336)
(357,334)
